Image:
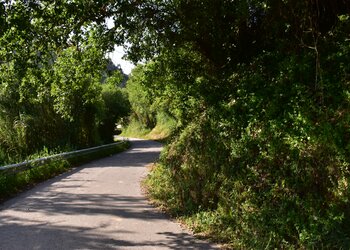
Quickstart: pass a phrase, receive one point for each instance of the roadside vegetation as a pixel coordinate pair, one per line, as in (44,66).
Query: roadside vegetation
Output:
(54,94)
(259,153)
(58,91)
(149,118)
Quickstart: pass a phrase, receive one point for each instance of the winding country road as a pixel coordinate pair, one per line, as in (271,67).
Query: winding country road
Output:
(96,206)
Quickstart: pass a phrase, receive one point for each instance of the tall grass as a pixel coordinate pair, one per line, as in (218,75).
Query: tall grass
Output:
(164,128)
(135,129)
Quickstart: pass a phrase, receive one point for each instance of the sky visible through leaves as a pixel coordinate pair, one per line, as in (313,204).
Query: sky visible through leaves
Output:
(118,53)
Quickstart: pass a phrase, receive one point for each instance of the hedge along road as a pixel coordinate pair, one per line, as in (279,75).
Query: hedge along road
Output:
(96,206)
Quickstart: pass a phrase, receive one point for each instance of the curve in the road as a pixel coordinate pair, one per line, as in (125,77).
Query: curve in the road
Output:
(96,206)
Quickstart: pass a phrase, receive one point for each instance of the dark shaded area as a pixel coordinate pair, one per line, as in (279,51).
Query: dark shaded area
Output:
(71,204)
(87,239)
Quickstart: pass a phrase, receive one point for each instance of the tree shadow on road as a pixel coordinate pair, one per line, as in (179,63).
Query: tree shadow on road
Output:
(44,236)
(43,218)
(40,232)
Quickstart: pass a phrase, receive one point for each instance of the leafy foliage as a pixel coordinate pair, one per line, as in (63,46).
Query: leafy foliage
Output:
(52,70)
(140,98)
(260,93)
(116,106)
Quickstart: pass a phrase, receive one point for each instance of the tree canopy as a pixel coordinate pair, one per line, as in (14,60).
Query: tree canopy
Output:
(53,66)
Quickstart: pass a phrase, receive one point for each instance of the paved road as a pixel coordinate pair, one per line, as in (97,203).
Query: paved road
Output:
(96,206)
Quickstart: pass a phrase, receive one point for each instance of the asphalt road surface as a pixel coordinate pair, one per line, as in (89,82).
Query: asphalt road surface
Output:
(96,206)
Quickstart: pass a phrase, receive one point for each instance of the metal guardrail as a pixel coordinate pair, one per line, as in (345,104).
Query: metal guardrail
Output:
(67,155)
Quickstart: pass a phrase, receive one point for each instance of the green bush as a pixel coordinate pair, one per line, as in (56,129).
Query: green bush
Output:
(13,183)
(269,166)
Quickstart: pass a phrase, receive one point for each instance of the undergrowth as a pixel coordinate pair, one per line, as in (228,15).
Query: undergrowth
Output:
(163,129)
(256,190)
(135,129)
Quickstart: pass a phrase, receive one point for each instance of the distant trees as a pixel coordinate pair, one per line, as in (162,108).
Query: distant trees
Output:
(116,105)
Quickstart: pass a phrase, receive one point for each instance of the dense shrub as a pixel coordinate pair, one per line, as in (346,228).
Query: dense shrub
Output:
(266,165)
(269,166)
